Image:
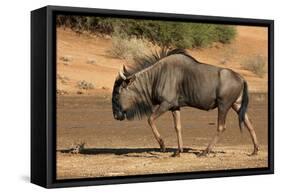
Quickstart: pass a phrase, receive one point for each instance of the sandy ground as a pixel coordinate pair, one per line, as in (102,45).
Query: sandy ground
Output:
(114,148)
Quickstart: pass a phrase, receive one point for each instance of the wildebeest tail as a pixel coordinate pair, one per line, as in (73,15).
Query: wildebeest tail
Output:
(244,106)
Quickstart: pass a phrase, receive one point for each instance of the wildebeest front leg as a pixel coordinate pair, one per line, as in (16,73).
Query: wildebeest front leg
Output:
(151,121)
(177,123)
(222,112)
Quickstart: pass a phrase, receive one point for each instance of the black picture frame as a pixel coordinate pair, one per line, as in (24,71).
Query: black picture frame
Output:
(43,96)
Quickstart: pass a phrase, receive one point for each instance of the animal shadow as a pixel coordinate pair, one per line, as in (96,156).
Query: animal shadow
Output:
(133,152)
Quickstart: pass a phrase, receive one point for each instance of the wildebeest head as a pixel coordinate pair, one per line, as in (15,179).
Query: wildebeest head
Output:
(121,82)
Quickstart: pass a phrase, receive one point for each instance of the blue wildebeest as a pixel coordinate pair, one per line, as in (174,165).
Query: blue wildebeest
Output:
(173,79)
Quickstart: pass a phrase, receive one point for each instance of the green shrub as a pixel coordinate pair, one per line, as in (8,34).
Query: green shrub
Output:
(162,33)
(255,64)
(225,34)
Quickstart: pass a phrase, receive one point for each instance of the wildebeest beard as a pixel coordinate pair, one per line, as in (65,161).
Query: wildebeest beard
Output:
(139,109)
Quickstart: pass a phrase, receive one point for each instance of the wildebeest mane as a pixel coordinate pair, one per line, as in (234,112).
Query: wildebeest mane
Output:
(145,61)
(142,101)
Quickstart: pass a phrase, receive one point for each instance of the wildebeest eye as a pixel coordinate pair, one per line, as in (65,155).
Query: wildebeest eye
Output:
(129,81)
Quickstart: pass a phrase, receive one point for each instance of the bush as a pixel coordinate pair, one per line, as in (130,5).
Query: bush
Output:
(129,49)
(225,34)
(162,33)
(255,64)
(86,23)
(177,34)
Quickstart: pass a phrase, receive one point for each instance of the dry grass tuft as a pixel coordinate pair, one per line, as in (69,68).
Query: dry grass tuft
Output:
(85,85)
(125,48)
(255,64)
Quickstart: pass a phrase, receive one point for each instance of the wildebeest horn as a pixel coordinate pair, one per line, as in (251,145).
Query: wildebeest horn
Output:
(121,73)
(125,69)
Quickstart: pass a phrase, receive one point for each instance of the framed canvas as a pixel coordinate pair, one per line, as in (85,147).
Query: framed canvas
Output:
(125,96)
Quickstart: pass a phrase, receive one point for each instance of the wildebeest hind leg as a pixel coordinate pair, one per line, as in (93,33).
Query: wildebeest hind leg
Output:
(250,128)
(151,121)
(222,112)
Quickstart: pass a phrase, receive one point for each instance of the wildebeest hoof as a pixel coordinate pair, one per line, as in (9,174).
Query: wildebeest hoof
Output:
(176,154)
(254,153)
(162,146)
(163,149)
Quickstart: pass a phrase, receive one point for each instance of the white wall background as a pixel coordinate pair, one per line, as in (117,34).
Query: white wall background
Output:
(15,94)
